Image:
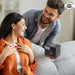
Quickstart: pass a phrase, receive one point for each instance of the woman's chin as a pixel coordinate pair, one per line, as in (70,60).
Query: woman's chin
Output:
(21,36)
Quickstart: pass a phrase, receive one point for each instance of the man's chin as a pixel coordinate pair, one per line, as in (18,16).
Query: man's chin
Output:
(46,22)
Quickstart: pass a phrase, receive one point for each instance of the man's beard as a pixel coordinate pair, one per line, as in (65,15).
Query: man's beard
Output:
(45,22)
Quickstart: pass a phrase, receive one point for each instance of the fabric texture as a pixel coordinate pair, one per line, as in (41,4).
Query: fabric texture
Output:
(17,55)
(21,71)
(62,65)
(38,35)
(9,66)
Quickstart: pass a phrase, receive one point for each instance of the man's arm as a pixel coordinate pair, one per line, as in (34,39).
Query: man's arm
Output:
(29,17)
(53,35)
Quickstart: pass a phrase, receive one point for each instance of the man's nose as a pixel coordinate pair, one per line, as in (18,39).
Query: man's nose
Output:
(47,15)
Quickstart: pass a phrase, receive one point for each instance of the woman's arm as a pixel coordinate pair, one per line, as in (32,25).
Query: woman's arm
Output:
(2,58)
(24,48)
(31,56)
(28,49)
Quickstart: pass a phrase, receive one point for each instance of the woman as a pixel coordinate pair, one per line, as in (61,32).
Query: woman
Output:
(16,55)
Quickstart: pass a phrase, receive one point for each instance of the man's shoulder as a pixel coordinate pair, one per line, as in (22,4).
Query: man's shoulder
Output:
(57,21)
(32,13)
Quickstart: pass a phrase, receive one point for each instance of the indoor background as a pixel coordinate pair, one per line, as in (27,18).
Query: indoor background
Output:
(21,6)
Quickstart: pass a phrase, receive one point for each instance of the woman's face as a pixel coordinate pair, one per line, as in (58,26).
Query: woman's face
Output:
(20,28)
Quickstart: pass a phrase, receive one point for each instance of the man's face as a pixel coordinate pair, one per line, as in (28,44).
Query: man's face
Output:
(49,15)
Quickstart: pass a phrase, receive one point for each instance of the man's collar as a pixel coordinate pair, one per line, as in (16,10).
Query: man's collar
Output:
(37,19)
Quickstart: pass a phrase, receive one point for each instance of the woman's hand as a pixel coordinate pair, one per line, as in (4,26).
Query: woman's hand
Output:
(8,50)
(24,48)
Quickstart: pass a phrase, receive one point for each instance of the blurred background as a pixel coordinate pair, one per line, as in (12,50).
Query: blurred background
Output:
(21,6)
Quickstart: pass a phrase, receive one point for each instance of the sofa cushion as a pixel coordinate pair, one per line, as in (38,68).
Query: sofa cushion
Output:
(63,65)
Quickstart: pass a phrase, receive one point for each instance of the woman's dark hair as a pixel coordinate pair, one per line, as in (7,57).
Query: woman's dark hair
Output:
(6,27)
(56,4)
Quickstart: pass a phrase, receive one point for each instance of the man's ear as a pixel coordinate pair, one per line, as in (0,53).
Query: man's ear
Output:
(58,17)
(13,26)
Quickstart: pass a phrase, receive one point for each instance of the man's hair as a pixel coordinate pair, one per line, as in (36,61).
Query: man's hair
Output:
(6,28)
(56,4)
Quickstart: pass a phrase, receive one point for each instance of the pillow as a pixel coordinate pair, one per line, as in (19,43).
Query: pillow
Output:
(38,50)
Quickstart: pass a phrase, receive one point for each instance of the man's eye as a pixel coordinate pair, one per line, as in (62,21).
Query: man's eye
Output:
(51,14)
(45,10)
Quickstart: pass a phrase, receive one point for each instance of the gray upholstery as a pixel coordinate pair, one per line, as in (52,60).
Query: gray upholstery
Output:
(63,65)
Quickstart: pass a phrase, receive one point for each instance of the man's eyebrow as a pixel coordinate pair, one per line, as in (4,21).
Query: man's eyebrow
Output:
(51,14)
(46,9)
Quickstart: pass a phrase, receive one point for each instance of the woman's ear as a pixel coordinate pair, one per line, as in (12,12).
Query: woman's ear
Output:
(13,26)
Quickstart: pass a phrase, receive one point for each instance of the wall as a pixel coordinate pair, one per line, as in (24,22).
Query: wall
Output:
(31,4)
(67,18)
(67,21)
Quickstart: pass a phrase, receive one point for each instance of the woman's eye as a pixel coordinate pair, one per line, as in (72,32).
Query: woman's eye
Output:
(23,25)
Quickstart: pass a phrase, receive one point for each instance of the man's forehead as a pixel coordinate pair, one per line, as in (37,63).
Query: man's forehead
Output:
(51,10)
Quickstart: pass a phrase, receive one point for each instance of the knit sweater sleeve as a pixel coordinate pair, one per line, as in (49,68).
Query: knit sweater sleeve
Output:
(34,65)
(1,66)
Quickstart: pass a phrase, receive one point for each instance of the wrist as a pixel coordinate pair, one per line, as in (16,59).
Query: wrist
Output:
(2,57)
(31,56)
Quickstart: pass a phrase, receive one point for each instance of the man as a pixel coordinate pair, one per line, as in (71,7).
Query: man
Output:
(43,26)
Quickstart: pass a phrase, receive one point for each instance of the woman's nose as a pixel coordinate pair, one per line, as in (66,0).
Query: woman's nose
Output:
(25,27)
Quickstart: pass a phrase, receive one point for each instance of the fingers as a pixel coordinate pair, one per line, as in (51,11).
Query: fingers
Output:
(19,48)
(11,49)
(19,44)
(8,50)
(23,47)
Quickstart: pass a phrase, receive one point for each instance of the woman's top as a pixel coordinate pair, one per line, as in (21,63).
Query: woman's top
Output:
(9,66)
(17,56)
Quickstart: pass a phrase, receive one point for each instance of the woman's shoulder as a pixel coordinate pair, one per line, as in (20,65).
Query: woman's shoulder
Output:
(24,40)
(2,42)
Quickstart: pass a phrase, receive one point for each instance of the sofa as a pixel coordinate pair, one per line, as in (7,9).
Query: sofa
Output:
(62,65)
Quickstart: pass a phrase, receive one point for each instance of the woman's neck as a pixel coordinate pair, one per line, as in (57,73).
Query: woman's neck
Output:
(11,39)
